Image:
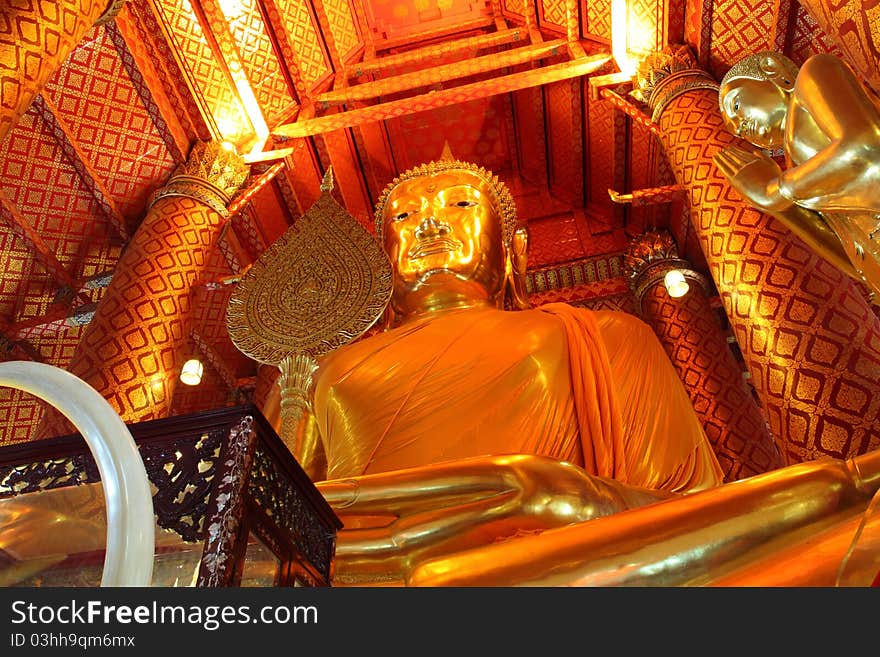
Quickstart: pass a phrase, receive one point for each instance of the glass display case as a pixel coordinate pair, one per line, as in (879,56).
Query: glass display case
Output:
(232,507)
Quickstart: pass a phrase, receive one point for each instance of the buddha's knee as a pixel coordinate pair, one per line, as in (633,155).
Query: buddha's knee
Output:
(558,491)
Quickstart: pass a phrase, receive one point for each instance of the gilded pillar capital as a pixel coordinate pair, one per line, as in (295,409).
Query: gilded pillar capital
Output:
(647,259)
(111,12)
(211,175)
(664,75)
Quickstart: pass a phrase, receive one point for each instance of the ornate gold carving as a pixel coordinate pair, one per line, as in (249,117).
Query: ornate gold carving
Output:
(295,382)
(504,204)
(212,174)
(650,247)
(111,12)
(647,259)
(320,285)
(667,74)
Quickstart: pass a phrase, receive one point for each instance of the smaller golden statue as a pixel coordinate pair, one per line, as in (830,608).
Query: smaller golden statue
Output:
(828,125)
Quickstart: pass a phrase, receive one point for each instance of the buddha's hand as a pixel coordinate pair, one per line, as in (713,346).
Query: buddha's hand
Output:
(755,175)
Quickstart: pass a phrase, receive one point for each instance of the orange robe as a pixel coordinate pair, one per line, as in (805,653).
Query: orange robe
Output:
(592,388)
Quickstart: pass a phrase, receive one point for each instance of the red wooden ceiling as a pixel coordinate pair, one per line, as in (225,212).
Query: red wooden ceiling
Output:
(130,100)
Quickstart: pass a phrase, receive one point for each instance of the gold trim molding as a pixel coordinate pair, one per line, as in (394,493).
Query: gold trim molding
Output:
(648,258)
(111,12)
(211,175)
(666,75)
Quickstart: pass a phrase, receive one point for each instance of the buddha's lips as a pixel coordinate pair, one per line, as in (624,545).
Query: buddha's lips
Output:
(428,247)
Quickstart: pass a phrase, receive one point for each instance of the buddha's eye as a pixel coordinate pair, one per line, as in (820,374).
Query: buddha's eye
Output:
(401,216)
(736,105)
(464,204)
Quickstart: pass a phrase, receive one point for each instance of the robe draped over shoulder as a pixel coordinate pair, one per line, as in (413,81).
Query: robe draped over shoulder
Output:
(592,388)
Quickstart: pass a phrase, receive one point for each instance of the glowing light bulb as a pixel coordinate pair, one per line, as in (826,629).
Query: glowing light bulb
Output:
(675,283)
(191,373)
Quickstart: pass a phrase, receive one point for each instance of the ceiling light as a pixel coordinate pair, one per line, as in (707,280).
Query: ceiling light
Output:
(191,373)
(675,283)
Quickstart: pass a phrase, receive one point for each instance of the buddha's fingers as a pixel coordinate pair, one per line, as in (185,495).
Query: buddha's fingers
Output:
(415,489)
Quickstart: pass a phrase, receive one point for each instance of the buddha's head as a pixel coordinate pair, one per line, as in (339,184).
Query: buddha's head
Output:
(449,228)
(754,97)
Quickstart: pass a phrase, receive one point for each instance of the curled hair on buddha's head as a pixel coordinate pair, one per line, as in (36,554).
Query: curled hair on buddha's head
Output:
(764,66)
(501,196)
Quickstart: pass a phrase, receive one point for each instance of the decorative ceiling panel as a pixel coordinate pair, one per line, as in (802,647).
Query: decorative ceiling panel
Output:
(99,104)
(740,27)
(142,66)
(645,24)
(605,128)
(49,195)
(301,30)
(400,18)
(552,13)
(260,63)
(473,130)
(20,412)
(210,81)
(675,22)
(57,348)
(19,266)
(554,240)
(643,167)
(598,23)
(343,27)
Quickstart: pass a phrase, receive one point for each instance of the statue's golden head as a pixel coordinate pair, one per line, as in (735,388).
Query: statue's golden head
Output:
(502,200)
(754,97)
(447,225)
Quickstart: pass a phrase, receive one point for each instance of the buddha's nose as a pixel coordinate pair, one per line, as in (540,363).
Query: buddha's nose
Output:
(431,227)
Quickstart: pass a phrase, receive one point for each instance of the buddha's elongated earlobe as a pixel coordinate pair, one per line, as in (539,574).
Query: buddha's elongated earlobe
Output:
(515,262)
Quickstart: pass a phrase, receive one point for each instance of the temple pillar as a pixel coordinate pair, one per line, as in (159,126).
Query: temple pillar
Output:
(132,350)
(808,336)
(691,334)
(36,36)
(854,27)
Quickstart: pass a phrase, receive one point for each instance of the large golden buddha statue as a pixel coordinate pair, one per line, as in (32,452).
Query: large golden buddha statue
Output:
(828,125)
(468,443)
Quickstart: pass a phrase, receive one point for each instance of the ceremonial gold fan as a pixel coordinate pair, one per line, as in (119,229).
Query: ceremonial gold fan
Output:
(320,285)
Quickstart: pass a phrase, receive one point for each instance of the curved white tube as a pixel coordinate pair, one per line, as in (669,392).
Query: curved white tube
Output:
(130,534)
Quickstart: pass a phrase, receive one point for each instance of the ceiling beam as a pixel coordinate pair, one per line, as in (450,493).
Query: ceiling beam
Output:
(633,112)
(443,98)
(437,33)
(59,319)
(435,51)
(330,43)
(651,196)
(440,74)
(215,360)
(243,198)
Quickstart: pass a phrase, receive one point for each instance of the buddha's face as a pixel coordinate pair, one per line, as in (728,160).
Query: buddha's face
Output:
(755,110)
(442,230)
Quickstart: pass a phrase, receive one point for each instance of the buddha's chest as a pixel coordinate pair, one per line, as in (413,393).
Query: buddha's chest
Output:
(450,388)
